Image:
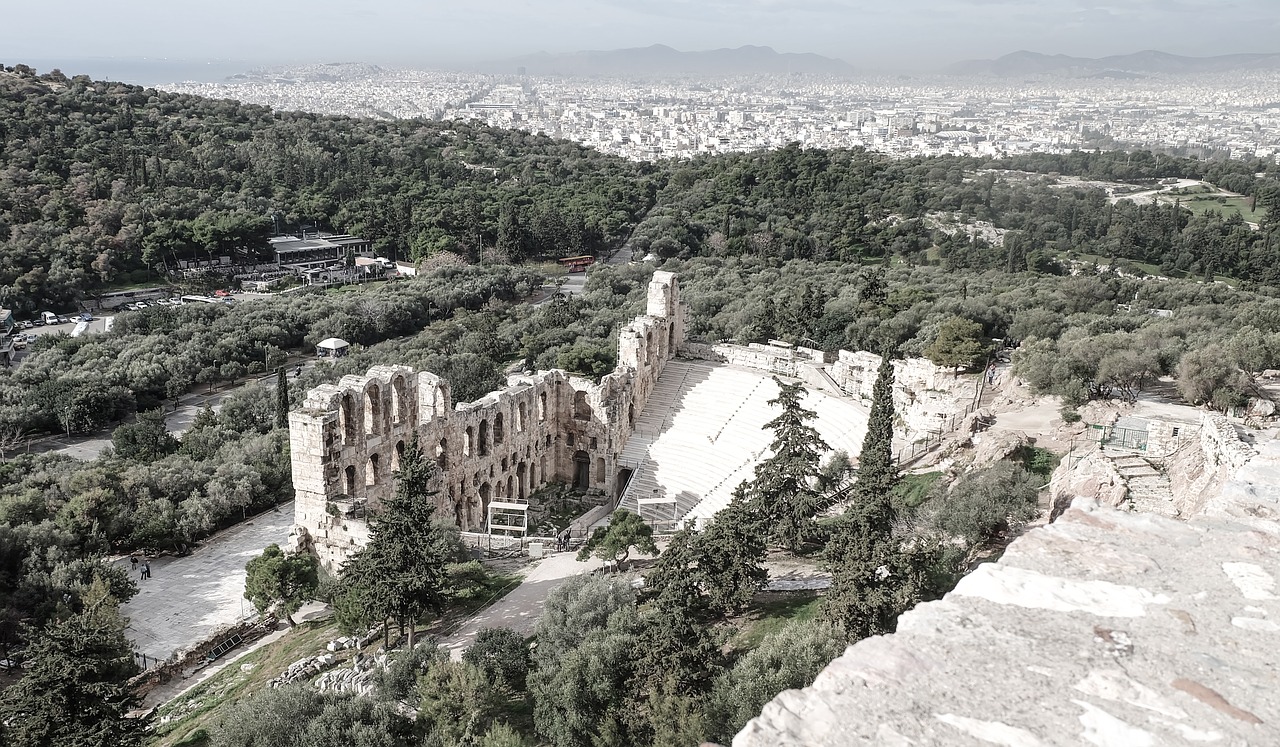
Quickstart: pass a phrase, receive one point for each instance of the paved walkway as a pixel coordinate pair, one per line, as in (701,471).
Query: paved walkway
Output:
(187,599)
(520,609)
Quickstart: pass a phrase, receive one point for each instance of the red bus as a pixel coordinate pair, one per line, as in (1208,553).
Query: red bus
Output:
(577,264)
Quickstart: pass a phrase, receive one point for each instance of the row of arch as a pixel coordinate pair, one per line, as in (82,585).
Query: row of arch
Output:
(353,421)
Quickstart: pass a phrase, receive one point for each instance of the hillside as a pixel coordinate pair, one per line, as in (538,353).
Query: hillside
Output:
(661,60)
(1149,61)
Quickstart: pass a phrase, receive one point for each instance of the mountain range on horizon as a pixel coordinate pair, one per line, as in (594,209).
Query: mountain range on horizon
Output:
(659,59)
(1146,62)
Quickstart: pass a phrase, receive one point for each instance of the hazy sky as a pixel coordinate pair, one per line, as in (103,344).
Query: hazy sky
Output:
(913,34)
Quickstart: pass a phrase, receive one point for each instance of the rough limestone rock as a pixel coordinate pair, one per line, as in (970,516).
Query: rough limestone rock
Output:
(1106,628)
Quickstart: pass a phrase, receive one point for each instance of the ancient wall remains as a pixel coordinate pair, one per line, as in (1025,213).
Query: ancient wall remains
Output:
(926,397)
(347,438)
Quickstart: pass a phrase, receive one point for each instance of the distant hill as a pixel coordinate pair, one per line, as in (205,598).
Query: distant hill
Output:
(660,59)
(1145,62)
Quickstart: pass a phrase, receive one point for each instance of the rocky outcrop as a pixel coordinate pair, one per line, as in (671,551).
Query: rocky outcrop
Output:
(1106,627)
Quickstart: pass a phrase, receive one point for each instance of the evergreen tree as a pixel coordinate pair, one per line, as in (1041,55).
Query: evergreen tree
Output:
(73,694)
(281,581)
(877,473)
(871,583)
(614,542)
(282,399)
(784,488)
(400,573)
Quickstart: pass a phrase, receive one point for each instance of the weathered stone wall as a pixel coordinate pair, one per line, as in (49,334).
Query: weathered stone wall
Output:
(347,438)
(926,397)
(1106,628)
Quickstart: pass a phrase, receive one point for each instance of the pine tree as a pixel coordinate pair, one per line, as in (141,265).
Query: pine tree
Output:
(73,692)
(282,399)
(400,573)
(785,484)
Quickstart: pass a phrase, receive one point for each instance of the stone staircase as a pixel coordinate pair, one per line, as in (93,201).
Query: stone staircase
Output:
(1149,488)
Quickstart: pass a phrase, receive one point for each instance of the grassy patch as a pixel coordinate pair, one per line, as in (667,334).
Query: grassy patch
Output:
(913,490)
(1037,461)
(1228,206)
(194,714)
(770,614)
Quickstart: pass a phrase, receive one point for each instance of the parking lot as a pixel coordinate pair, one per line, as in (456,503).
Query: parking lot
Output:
(99,324)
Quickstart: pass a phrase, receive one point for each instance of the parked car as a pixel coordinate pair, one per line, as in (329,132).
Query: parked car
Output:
(38,322)
(64,320)
(26,325)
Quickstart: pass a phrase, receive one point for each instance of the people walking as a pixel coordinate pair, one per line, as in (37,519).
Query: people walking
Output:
(133,562)
(146,569)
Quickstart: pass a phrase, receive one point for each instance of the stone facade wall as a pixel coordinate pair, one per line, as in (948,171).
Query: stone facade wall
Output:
(347,438)
(925,396)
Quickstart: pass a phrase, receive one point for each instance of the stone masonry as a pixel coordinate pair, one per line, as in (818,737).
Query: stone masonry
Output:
(1107,627)
(347,438)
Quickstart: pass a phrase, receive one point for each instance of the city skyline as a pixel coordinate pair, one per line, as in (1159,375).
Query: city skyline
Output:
(910,35)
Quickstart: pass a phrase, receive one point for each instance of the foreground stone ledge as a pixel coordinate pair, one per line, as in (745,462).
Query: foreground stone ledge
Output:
(1105,627)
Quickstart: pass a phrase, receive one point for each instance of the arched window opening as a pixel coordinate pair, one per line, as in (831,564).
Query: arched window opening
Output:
(599,470)
(568,439)
(371,475)
(671,339)
(631,414)
(521,484)
(399,400)
(350,485)
(373,410)
(581,410)
(396,456)
(510,488)
(483,441)
(581,470)
(542,406)
(520,418)
(442,453)
(349,426)
(498,434)
(468,441)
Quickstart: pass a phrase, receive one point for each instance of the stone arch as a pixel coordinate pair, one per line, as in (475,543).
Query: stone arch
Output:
(468,441)
(631,413)
(542,470)
(349,483)
(581,470)
(520,415)
(399,400)
(522,484)
(499,434)
(457,506)
(600,470)
(542,406)
(396,456)
(511,488)
(581,410)
(371,471)
(348,414)
(373,409)
(482,441)
(649,352)
(442,453)
(671,339)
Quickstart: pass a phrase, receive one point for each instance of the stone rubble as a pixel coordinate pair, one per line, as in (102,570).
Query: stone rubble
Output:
(303,669)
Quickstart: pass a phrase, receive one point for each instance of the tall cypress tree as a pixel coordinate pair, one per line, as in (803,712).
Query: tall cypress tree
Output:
(872,583)
(877,474)
(282,398)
